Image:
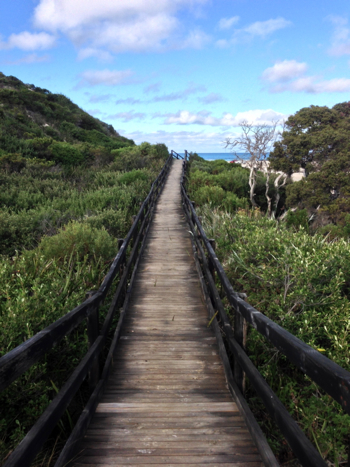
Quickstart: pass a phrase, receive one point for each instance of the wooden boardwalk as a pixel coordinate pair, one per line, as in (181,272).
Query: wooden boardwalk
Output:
(166,402)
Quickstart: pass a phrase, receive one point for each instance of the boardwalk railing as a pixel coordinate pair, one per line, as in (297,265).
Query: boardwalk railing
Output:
(20,359)
(176,155)
(328,375)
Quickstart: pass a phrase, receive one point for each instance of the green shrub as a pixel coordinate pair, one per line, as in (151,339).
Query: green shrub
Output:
(232,202)
(12,162)
(214,195)
(138,157)
(297,219)
(131,177)
(78,239)
(115,221)
(65,153)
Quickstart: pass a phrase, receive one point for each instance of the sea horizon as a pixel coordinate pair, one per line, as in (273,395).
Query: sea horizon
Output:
(214,156)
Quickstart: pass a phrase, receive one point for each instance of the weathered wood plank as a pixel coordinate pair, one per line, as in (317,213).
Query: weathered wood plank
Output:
(117,463)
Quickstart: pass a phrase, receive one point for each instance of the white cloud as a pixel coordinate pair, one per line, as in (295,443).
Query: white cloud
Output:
(256,117)
(341,36)
(139,35)
(29,41)
(264,28)
(222,43)
(105,77)
(128,100)
(227,23)
(119,26)
(29,59)
(260,29)
(284,71)
(211,98)
(101,55)
(127,116)
(179,95)
(288,76)
(152,88)
(95,112)
(195,141)
(195,40)
(311,85)
(101,98)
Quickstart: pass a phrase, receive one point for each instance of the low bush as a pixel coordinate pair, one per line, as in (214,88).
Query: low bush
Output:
(80,240)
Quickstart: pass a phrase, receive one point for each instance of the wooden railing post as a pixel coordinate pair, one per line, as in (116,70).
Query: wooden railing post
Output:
(210,262)
(93,333)
(192,216)
(135,231)
(122,264)
(239,336)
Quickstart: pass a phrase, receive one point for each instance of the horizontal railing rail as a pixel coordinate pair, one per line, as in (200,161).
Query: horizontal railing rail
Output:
(176,155)
(20,359)
(332,378)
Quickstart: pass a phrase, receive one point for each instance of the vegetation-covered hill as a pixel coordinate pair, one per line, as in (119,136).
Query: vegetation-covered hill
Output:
(35,123)
(69,188)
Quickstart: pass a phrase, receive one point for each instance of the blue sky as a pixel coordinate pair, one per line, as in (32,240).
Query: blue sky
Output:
(181,72)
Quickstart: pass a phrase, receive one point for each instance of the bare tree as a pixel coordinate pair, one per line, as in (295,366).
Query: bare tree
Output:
(257,141)
(279,182)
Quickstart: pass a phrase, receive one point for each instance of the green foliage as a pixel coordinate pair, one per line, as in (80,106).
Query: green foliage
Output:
(132,177)
(301,282)
(66,154)
(137,157)
(35,291)
(226,185)
(297,219)
(36,123)
(12,162)
(39,201)
(342,230)
(317,139)
(80,240)
(59,227)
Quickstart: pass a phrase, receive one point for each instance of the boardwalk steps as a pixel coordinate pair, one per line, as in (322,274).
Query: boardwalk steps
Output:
(166,402)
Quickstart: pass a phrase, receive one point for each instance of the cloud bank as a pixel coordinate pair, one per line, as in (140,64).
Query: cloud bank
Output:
(29,41)
(341,36)
(119,26)
(105,77)
(289,75)
(256,117)
(259,29)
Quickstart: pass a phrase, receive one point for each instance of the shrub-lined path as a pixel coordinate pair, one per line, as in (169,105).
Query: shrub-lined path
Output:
(166,402)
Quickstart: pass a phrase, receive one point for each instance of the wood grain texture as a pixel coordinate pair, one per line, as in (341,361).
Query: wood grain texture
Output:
(167,401)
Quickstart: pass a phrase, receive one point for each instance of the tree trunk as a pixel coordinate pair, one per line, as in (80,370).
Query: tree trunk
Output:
(252,184)
(278,196)
(269,200)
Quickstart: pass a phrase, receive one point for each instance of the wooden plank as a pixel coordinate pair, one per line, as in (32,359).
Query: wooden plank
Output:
(117,463)
(166,460)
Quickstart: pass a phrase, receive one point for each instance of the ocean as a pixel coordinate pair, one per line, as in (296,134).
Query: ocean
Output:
(214,156)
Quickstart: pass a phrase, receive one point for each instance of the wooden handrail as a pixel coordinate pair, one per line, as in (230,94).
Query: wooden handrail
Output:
(20,359)
(334,379)
(176,155)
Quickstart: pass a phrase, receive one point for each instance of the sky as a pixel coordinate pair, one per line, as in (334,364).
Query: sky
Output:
(185,73)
